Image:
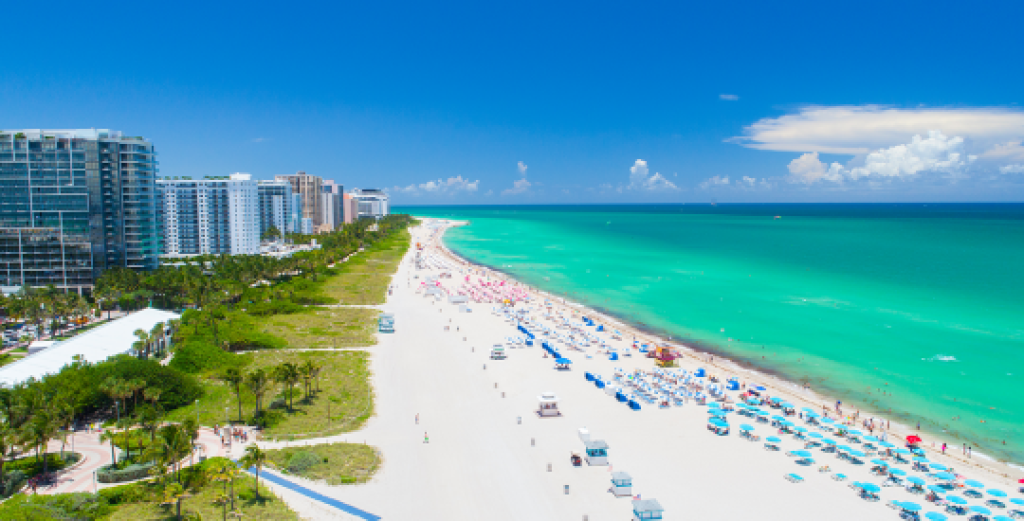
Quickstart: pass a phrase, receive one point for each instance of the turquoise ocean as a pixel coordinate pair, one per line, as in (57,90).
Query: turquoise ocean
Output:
(910,310)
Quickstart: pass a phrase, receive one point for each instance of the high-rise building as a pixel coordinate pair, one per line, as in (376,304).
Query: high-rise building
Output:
(350,209)
(373,203)
(295,221)
(218,215)
(275,206)
(74,203)
(330,201)
(310,188)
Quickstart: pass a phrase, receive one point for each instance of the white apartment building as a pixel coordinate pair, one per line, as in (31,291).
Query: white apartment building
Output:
(213,215)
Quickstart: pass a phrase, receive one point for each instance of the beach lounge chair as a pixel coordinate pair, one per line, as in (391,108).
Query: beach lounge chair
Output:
(839,477)
(793,478)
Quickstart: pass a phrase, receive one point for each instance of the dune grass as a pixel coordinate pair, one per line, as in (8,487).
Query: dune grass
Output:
(267,508)
(336,463)
(344,391)
(364,279)
(325,327)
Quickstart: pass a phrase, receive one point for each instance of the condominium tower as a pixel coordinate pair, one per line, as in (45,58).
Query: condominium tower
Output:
(332,214)
(213,215)
(276,202)
(74,203)
(309,187)
(372,203)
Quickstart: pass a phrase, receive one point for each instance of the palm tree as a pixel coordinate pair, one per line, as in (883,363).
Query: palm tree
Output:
(307,371)
(254,458)
(233,377)
(259,383)
(111,436)
(174,493)
(288,374)
(225,472)
(143,339)
(170,448)
(39,431)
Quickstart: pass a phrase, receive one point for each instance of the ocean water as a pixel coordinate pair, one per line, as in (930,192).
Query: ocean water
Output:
(913,310)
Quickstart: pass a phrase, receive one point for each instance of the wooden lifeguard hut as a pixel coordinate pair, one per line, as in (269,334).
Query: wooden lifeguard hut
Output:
(548,405)
(597,452)
(645,509)
(622,484)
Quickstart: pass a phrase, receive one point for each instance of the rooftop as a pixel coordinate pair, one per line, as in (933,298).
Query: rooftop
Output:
(95,345)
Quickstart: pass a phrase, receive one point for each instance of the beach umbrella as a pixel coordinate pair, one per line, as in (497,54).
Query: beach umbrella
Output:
(745,427)
(907,505)
(857,453)
(778,418)
(872,439)
(855,432)
(996,492)
(956,500)
(981,510)
(808,410)
(945,476)
(974,483)
(830,442)
(916,480)
(717,412)
(801,453)
(717,422)
(937,489)
(886,444)
(812,415)
(921,459)
(845,448)
(714,405)
(1016,501)
(759,388)
(877,461)
(1002,518)
(935,516)
(814,435)
(897,472)
(827,420)
(936,466)
(901,451)
(772,439)
(870,487)
(801,429)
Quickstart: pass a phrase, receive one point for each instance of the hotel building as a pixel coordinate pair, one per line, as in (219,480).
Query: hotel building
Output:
(213,215)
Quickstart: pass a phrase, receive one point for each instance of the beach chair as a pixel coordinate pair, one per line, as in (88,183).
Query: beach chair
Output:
(793,478)
(839,477)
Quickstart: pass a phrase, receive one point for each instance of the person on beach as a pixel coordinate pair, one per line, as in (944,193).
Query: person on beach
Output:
(417,418)
(943,447)
(426,439)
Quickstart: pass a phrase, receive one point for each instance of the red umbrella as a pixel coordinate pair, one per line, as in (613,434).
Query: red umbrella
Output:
(913,439)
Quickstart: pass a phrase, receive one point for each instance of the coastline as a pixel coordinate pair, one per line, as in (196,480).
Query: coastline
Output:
(708,354)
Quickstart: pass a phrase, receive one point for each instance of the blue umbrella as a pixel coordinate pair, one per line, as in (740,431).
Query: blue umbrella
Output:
(956,500)
(996,492)
(907,505)
(916,480)
(772,439)
(762,413)
(1002,518)
(801,429)
(563,361)
(808,409)
(801,453)
(718,423)
(973,483)
(936,466)
(814,435)
(716,412)
(981,510)
(935,516)
(886,444)
(1016,501)
(827,420)
(845,448)
(855,432)
(877,461)
(897,472)
(945,476)
(745,427)
(830,442)
(870,487)
(778,418)
(812,415)
(857,453)
(920,459)
(901,451)
(872,439)
(713,405)
(937,489)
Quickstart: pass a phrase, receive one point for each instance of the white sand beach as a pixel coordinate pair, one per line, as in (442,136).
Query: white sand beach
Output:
(490,456)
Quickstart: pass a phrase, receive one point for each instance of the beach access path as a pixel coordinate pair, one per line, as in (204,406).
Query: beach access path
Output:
(481,463)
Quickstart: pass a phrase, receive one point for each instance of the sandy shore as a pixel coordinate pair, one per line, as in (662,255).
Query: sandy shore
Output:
(490,457)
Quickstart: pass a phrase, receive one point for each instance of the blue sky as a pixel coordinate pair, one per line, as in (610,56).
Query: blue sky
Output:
(489,103)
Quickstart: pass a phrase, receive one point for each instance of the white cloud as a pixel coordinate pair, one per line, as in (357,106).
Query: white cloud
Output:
(857,130)
(808,169)
(1002,152)
(728,97)
(640,180)
(522,168)
(450,186)
(489,193)
(714,182)
(518,187)
(1012,169)
(933,154)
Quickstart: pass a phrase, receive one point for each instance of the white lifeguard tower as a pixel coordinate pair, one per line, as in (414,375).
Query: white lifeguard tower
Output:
(644,509)
(548,405)
(622,484)
(584,434)
(597,452)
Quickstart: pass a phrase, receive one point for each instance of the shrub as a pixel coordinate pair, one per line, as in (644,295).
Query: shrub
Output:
(12,483)
(109,474)
(302,461)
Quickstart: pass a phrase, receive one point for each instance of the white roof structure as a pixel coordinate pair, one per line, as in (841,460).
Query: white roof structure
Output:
(95,345)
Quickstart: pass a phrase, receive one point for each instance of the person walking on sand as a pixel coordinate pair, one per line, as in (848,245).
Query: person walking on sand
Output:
(943,447)
(417,418)
(426,439)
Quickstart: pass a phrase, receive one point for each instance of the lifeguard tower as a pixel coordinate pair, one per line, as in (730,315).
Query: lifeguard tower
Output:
(597,453)
(644,509)
(548,405)
(622,484)
(386,323)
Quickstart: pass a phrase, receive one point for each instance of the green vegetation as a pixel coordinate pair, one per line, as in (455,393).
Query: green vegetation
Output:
(364,279)
(49,309)
(209,490)
(325,327)
(336,463)
(343,390)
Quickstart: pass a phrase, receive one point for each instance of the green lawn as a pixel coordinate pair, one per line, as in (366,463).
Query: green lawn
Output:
(325,327)
(344,389)
(337,463)
(364,279)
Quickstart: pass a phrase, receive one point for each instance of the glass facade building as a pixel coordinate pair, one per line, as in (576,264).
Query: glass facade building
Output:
(213,215)
(276,206)
(74,203)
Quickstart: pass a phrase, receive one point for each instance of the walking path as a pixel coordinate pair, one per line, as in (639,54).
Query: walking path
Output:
(344,507)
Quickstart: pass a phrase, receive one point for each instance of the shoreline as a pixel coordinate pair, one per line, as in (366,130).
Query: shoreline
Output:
(708,354)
